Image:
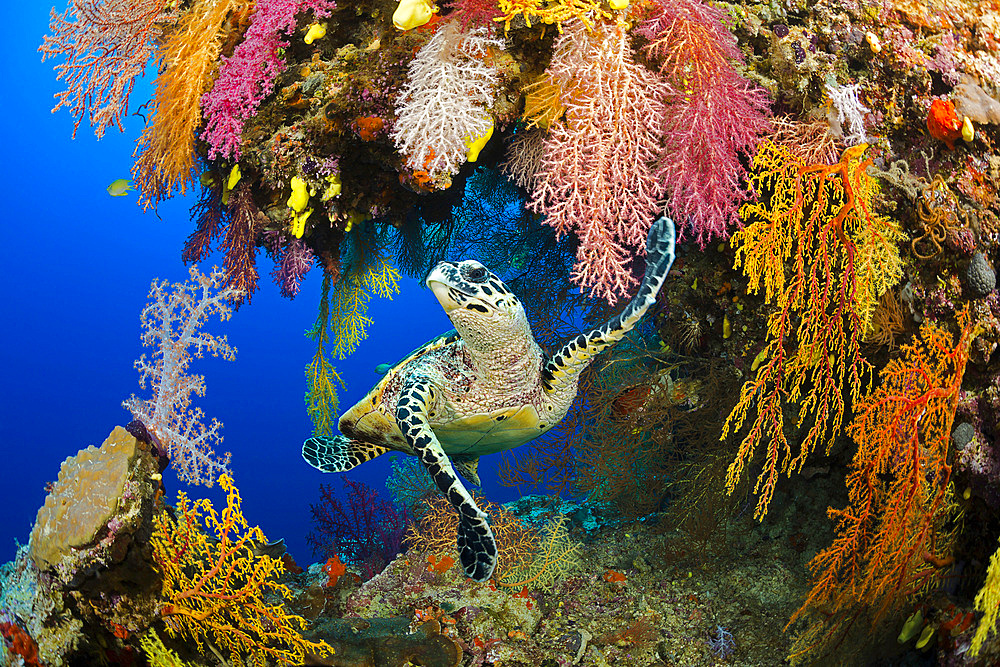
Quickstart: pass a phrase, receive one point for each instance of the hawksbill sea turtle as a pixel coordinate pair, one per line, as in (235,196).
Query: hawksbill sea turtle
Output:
(483,388)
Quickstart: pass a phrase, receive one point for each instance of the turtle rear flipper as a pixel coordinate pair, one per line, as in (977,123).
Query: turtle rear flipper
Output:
(468,467)
(338,453)
(476,547)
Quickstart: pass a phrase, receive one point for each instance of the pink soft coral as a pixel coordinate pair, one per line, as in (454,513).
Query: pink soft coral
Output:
(714,115)
(171,324)
(594,180)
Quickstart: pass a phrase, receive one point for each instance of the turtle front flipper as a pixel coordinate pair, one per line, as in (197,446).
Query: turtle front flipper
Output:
(476,547)
(563,369)
(338,453)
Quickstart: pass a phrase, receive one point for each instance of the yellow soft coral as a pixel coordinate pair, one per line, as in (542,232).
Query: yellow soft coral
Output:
(214,586)
(158,654)
(321,376)
(557,11)
(988,602)
(343,313)
(554,558)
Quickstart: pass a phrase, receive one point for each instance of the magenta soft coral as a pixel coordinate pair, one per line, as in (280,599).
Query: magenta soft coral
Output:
(714,116)
(248,76)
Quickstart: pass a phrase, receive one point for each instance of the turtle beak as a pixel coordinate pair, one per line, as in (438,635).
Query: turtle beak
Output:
(438,282)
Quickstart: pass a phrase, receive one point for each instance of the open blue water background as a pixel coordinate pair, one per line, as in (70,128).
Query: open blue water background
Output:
(75,269)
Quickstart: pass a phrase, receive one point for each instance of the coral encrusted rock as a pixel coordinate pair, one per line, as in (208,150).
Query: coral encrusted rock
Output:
(85,498)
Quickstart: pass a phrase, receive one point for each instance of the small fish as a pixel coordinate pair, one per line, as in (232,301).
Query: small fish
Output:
(382,369)
(120,187)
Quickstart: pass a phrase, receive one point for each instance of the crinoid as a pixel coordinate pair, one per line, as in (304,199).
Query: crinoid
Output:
(887,321)
(688,333)
(936,214)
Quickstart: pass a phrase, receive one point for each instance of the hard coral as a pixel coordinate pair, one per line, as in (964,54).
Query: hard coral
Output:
(385,641)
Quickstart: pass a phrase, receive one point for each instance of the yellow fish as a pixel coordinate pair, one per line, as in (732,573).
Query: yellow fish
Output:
(120,187)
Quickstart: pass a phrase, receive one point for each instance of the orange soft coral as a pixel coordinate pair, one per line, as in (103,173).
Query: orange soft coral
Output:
(334,570)
(943,123)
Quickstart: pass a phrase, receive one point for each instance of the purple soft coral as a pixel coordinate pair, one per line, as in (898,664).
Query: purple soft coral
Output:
(722,644)
(293,259)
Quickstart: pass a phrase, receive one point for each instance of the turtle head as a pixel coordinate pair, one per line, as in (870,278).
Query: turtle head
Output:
(477,301)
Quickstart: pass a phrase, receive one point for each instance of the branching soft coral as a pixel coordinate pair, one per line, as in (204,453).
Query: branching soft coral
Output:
(293,259)
(321,377)
(172,323)
(349,319)
(557,12)
(240,242)
(476,13)
(595,180)
(342,323)
(107,44)
(187,60)
(248,76)
(554,558)
(715,116)
(364,528)
(444,106)
(216,587)
(899,527)
(823,256)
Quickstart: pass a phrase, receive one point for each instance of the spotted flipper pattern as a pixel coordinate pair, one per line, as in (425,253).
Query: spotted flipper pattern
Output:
(476,547)
(563,369)
(338,453)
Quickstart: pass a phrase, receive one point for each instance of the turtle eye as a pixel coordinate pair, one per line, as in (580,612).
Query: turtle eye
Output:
(477,274)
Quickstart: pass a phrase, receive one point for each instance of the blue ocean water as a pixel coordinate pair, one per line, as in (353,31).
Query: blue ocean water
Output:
(76,265)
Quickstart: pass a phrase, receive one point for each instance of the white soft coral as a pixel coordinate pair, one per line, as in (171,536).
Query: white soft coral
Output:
(847,113)
(172,322)
(451,85)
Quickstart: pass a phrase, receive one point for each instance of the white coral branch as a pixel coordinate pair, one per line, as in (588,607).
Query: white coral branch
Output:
(445,104)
